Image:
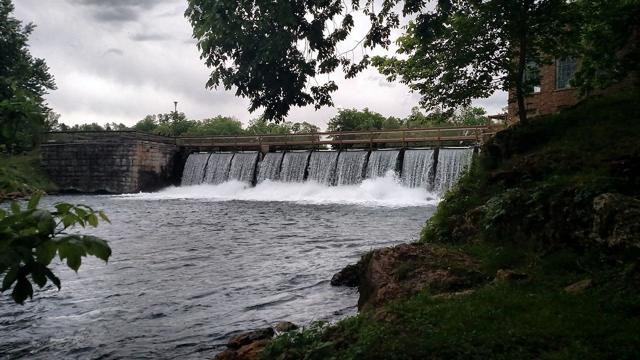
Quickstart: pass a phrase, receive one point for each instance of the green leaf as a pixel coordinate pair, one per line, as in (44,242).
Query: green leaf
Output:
(97,247)
(3,214)
(54,279)
(15,207)
(103,216)
(46,223)
(72,251)
(63,208)
(34,201)
(81,212)
(92,219)
(45,252)
(69,220)
(9,278)
(22,290)
(38,274)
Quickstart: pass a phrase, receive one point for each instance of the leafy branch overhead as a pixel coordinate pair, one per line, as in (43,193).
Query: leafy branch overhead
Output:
(271,52)
(30,239)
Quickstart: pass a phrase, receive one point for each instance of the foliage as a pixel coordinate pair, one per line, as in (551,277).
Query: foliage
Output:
(30,238)
(24,80)
(352,119)
(219,125)
(268,51)
(21,175)
(608,42)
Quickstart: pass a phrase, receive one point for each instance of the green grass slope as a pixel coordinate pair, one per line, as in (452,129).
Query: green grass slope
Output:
(20,175)
(526,206)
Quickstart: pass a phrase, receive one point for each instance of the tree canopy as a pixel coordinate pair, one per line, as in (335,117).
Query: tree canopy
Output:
(452,52)
(24,80)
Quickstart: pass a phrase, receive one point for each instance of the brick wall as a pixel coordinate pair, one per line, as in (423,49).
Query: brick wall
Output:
(114,166)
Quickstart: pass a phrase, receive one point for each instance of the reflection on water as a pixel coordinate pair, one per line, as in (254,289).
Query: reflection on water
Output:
(185,273)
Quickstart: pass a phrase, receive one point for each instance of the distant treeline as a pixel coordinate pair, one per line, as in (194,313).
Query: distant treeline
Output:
(177,124)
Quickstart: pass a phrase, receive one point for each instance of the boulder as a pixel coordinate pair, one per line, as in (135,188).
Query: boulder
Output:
(349,276)
(398,272)
(616,220)
(579,287)
(285,326)
(246,346)
(510,275)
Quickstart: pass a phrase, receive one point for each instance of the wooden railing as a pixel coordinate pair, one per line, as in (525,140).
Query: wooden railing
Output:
(392,137)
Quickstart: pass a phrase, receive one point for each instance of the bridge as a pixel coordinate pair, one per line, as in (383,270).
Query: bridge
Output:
(131,161)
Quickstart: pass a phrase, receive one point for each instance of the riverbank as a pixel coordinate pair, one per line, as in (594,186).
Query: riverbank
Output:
(533,255)
(21,175)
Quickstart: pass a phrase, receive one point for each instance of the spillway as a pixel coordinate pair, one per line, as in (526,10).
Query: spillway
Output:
(381,162)
(294,166)
(413,168)
(451,164)
(218,167)
(351,166)
(194,169)
(417,167)
(269,167)
(322,167)
(243,166)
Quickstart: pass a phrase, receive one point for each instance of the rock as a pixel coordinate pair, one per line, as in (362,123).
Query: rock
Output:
(398,272)
(285,326)
(579,287)
(246,346)
(237,341)
(510,275)
(453,295)
(349,276)
(616,220)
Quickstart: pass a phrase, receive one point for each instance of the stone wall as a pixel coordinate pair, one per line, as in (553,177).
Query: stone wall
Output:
(116,165)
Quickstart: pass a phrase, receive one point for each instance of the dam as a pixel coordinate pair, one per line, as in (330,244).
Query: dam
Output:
(118,162)
(436,170)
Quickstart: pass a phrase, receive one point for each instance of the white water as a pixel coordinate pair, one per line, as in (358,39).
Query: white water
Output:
(382,191)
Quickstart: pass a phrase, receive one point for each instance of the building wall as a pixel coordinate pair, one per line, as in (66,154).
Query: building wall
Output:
(548,101)
(122,166)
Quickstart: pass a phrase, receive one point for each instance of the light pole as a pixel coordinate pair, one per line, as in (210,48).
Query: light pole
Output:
(175,106)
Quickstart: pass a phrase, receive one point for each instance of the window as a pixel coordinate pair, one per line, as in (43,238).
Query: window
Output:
(532,78)
(565,68)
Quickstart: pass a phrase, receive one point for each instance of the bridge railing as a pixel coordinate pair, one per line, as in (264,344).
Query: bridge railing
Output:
(390,137)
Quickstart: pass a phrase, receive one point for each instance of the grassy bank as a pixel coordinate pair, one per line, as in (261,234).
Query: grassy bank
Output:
(528,207)
(20,175)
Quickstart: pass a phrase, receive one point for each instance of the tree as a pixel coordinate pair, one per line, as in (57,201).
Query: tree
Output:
(353,119)
(269,50)
(148,124)
(24,80)
(173,124)
(31,238)
(459,50)
(304,128)
(219,125)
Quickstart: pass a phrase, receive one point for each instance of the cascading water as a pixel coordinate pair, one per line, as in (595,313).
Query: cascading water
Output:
(269,167)
(218,168)
(451,164)
(351,166)
(417,167)
(294,165)
(243,166)
(322,167)
(194,169)
(381,162)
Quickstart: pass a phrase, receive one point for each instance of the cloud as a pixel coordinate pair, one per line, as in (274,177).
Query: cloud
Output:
(118,11)
(114,51)
(150,37)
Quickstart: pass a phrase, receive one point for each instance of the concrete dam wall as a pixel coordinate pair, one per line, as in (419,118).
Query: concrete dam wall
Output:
(122,163)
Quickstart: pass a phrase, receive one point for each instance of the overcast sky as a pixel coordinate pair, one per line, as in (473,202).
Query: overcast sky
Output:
(119,60)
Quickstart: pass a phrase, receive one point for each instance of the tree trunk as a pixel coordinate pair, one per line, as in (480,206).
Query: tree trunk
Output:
(522,62)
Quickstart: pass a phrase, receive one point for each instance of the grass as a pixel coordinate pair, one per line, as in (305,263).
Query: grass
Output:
(21,175)
(525,205)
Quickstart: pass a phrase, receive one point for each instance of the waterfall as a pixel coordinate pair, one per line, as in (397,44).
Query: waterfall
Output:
(218,168)
(351,166)
(243,166)
(381,161)
(269,167)
(294,165)
(322,166)
(451,164)
(194,169)
(416,167)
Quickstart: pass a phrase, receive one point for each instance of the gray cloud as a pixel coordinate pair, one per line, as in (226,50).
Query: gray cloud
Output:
(150,37)
(118,11)
(114,51)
